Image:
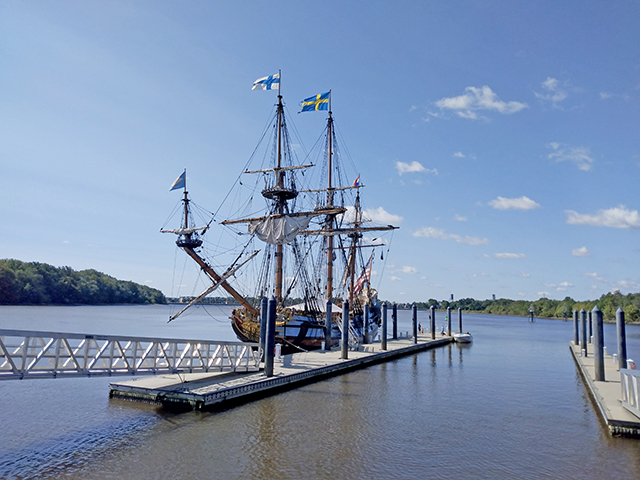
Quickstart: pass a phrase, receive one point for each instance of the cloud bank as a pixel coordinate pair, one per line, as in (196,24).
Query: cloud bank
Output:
(478,99)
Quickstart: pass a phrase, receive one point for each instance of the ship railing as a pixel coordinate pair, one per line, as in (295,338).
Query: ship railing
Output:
(29,354)
(629,385)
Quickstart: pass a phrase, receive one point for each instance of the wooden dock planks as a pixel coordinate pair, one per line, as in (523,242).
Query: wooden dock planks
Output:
(214,390)
(606,395)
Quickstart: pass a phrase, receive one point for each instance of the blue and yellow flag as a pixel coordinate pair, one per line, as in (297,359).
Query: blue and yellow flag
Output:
(315,103)
(180,182)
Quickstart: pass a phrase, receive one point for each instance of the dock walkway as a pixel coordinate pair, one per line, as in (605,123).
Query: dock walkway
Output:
(606,395)
(213,390)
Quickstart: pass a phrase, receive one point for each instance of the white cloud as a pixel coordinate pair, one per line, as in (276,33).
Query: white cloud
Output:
(476,99)
(395,279)
(522,203)
(543,294)
(460,218)
(618,217)
(409,270)
(581,252)
(578,155)
(510,255)
(631,285)
(413,167)
(595,276)
(458,154)
(553,92)
(561,287)
(380,215)
(432,232)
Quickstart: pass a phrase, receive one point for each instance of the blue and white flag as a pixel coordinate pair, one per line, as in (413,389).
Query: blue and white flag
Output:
(180,181)
(315,103)
(272,82)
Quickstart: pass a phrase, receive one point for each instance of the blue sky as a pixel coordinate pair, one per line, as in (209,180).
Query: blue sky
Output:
(502,137)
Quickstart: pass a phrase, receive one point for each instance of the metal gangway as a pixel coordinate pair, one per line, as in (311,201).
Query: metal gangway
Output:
(27,354)
(629,385)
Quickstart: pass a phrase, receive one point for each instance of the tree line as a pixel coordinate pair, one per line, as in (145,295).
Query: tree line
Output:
(34,283)
(545,307)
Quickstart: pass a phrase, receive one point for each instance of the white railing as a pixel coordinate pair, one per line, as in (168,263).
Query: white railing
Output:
(25,354)
(629,385)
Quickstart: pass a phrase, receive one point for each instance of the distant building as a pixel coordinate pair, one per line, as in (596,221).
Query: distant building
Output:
(494,296)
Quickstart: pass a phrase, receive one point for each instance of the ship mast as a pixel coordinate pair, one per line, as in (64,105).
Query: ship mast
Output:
(280,198)
(330,218)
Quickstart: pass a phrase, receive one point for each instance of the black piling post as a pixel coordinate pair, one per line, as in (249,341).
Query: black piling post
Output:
(344,346)
(449,321)
(264,309)
(414,322)
(394,321)
(622,339)
(583,329)
(598,348)
(327,326)
(576,340)
(270,339)
(590,322)
(433,322)
(383,335)
(365,324)
(459,319)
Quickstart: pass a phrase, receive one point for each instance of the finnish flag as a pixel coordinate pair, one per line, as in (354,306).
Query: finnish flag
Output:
(272,82)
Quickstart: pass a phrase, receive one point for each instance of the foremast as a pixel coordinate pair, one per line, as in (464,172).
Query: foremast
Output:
(189,239)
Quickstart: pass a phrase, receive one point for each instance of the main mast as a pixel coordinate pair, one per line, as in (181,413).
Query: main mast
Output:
(330,218)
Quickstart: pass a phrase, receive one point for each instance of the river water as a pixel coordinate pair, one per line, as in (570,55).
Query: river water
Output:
(511,405)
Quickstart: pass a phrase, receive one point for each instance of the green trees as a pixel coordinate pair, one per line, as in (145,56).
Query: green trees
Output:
(36,283)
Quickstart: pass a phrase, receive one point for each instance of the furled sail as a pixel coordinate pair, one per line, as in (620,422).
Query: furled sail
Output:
(184,231)
(279,230)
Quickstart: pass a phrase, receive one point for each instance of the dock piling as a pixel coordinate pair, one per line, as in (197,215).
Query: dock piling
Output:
(598,349)
(449,321)
(590,323)
(583,329)
(433,322)
(459,320)
(576,339)
(383,335)
(344,344)
(414,322)
(622,339)
(263,323)
(394,320)
(365,324)
(327,326)
(270,339)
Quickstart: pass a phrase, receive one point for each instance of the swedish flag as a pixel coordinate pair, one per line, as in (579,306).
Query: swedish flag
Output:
(315,103)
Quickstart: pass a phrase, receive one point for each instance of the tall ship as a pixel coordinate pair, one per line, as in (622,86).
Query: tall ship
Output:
(307,244)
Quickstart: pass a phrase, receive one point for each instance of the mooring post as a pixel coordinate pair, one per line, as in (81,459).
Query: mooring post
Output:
(365,324)
(449,321)
(327,326)
(383,335)
(583,329)
(344,346)
(263,323)
(576,340)
(414,322)
(270,340)
(394,321)
(460,319)
(433,322)
(598,348)
(590,322)
(622,339)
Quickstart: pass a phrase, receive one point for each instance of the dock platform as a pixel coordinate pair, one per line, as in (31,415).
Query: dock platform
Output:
(201,391)
(606,395)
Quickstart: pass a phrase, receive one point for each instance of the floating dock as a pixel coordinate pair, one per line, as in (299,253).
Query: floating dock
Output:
(201,391)
(606,395)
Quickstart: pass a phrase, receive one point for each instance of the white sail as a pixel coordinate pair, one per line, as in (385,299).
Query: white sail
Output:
(279,230)
(184,231)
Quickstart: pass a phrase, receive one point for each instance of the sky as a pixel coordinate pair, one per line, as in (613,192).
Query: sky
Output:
(501,137)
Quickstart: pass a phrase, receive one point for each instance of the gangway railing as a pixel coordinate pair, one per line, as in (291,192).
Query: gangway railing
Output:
(27,354)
